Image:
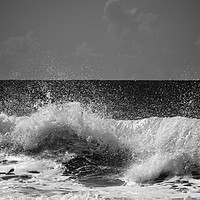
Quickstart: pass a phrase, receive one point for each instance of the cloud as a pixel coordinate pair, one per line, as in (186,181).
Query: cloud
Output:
(85,50)
(18,55)
(197,43)
(130,29)
(20,45)
(148,24)
(23,58)
(87,62)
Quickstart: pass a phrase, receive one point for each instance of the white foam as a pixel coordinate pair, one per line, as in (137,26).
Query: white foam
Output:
(158,144)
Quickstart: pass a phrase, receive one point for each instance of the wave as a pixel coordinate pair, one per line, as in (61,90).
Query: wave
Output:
(146,149)
(60,130)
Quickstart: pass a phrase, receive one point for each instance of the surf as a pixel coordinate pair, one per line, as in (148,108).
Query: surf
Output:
(140,151)
(68,134)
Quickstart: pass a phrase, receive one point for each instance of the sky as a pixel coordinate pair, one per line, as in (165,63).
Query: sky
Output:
(100,39)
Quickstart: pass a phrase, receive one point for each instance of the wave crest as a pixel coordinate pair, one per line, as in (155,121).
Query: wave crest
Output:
(151,148)
(64,128)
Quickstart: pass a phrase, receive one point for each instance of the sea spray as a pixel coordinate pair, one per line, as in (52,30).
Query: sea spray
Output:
(172,149)
(147,149)
(65,128)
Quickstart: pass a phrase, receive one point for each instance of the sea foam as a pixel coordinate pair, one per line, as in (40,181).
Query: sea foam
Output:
(150,148)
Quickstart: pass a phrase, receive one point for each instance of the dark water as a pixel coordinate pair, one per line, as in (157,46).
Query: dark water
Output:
(118,99)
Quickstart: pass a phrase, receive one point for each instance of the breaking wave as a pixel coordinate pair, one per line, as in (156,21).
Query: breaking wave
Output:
(146,150)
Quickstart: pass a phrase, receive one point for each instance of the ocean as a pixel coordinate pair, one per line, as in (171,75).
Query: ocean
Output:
(95,139)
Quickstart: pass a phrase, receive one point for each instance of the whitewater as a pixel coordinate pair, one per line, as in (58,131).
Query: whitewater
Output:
(66,151)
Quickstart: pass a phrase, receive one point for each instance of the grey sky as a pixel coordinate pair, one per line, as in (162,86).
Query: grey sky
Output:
(100,39)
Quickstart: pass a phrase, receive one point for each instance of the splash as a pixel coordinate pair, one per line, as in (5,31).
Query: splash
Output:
(147,150)
(65,128)
(165,147)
